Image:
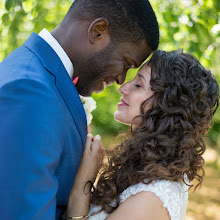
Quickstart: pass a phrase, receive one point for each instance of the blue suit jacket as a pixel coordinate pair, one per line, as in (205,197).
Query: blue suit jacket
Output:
(42,133)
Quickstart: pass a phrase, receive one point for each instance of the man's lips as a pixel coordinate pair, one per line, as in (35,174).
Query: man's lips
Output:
(108,82)
(102,83)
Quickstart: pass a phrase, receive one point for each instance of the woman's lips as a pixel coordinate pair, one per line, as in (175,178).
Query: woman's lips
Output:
(122,103)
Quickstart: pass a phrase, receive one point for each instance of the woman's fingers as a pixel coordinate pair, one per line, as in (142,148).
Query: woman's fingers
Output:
(93,145)
(88,142)
(96,144)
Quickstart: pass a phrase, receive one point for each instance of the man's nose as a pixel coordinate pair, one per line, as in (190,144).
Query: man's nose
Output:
(120,78)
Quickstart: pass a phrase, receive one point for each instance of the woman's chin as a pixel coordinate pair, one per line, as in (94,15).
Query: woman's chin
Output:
(121,118)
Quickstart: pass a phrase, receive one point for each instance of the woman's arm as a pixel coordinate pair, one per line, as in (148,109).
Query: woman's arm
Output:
(142,206)
(78,204)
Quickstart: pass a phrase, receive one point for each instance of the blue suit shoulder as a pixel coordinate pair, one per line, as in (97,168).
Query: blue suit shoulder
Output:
(24,64)
(22,74)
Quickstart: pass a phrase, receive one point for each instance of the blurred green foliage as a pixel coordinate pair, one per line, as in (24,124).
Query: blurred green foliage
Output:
(189,24)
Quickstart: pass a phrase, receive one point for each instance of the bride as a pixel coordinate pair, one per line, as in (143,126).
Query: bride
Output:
(169,105)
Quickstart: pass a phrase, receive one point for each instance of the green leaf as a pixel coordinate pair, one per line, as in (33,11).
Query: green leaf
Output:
(9,4)
(5,19)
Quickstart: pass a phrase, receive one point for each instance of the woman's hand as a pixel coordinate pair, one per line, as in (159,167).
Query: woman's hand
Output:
(93,157)
(91,161)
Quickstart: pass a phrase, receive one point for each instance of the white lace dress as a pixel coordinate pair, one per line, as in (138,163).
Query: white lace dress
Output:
(173,195)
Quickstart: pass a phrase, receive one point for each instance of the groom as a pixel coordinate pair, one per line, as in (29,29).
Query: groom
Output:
(42,121)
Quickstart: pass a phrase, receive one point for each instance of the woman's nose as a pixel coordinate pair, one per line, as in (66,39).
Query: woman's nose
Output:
(124,88)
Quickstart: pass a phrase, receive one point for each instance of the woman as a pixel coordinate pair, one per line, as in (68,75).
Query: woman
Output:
(169,105)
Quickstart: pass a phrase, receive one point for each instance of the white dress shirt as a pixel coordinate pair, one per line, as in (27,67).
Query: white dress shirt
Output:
(47,36)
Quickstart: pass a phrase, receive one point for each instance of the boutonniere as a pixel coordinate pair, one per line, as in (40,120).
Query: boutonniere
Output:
(89,104)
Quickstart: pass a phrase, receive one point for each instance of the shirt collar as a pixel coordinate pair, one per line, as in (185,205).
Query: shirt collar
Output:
(47,36)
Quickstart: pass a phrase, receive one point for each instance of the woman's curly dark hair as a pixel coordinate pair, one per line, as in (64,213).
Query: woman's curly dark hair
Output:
(168,144)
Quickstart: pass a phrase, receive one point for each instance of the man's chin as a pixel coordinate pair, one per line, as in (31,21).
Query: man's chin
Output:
(82,91)
(85,91)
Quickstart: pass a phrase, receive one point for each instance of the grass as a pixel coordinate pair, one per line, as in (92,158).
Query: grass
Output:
(204,204)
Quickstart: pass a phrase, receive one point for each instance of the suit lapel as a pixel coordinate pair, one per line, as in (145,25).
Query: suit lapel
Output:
(53,64)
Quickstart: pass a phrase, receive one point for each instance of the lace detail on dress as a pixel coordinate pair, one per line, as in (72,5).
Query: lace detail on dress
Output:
(173,195)
(99,216)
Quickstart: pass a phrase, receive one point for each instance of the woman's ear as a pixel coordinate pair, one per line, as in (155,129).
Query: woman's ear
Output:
(98,32)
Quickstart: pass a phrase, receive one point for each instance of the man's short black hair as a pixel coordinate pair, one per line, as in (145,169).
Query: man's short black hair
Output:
(129,20)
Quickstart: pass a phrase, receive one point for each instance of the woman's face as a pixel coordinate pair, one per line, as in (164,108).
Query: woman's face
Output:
(134,93)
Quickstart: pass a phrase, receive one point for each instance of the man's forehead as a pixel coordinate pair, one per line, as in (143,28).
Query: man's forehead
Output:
(139,53)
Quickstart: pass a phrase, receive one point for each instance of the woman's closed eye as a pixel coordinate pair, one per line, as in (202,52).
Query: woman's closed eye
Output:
(137,85)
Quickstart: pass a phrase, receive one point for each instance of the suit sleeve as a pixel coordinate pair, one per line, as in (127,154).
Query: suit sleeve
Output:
(31,140)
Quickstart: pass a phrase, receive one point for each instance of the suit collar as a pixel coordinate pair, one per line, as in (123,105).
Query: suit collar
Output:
(46,35)
(53,64)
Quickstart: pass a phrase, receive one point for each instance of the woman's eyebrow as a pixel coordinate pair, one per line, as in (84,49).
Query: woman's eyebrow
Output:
(141,76)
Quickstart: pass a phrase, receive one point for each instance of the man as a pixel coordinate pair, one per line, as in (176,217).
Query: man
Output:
(43,124)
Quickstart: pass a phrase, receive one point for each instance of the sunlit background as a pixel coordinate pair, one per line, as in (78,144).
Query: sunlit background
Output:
(188,24)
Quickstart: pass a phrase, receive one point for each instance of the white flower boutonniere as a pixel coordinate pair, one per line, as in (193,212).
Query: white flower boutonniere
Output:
(89,105)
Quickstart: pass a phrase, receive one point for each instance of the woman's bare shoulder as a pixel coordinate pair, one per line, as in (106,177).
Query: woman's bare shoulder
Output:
(142,206)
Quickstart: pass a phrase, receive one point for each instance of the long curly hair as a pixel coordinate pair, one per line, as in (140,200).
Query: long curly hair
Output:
(168,143)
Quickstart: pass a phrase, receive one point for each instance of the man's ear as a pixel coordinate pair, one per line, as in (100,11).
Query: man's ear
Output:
(99,31)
